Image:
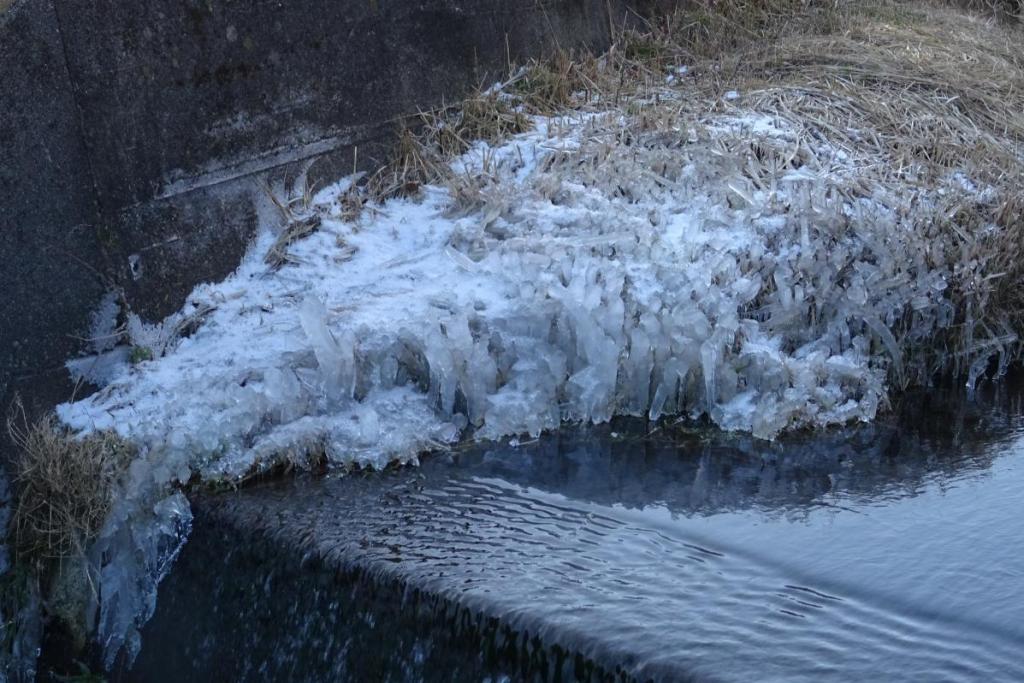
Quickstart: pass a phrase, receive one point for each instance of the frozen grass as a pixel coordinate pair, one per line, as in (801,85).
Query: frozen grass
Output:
(921,91)
(293,232)
(413,165)
(484,116)
(881,142)
(914,92)
(87,528)
(771,215)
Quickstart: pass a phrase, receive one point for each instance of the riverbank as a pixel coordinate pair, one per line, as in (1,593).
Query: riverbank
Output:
(767,220)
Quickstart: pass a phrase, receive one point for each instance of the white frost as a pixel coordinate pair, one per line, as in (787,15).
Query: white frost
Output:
(596,269)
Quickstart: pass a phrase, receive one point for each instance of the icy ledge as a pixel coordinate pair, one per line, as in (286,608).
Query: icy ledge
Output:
(597,266)
(593,270)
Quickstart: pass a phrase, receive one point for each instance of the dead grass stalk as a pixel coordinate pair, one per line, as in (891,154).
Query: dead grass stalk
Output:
(64,486)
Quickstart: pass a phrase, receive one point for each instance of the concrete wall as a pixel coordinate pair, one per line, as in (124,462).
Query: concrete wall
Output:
(136,132)
(49,258)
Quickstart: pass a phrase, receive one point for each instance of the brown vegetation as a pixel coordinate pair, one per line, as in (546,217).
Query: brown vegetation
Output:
(911,91)
(64,484)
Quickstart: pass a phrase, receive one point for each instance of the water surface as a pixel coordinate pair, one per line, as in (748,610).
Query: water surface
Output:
(890,551)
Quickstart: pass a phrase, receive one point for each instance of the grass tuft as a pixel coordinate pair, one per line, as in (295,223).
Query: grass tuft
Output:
(64,485)
(558,83)
(487,117)
(413,164)
(297,229)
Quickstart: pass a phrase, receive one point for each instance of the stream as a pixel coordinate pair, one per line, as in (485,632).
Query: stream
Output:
(883,551)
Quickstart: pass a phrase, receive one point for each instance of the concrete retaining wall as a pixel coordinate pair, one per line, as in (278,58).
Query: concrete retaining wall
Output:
(135,133)
(48,216)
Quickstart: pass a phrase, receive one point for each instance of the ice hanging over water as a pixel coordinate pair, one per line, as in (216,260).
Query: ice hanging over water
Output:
(594,267)
(600,265)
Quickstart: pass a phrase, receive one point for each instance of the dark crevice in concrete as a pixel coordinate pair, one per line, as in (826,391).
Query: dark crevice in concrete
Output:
(90,178)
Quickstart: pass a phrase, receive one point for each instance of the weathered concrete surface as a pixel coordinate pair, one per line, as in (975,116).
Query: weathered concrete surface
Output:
(180,94)
(49,257)
(135,137)
(178,98)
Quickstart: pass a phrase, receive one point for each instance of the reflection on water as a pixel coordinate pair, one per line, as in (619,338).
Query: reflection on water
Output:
(882,551)
(933,439)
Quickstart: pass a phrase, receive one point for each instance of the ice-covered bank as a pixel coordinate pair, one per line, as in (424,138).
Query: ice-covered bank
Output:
(648,264)
(822,206)
(722,267)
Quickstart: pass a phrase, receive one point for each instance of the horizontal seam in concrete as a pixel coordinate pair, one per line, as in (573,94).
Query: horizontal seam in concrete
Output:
(268,161)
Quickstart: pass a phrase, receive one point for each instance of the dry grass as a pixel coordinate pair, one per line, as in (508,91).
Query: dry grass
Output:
(412,164)
(935,84)
(299,223)
(911,92)
(426,145)
(926,87)
(942,89)
(64,486)
(564,81)
(1001,9)
(295,207)
(486,116)
(297,229)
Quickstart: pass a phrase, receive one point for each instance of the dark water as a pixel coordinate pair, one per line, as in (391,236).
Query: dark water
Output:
(892,551)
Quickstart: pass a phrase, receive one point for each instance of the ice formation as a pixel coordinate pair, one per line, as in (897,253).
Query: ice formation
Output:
(596,266)
(588,269)
(133,554)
